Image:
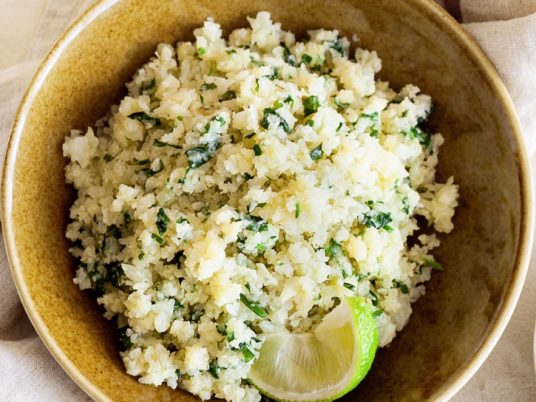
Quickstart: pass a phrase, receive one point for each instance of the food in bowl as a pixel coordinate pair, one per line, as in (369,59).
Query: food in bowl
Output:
(247,191)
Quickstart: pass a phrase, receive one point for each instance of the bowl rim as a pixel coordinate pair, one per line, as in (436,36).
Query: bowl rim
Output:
(433,11)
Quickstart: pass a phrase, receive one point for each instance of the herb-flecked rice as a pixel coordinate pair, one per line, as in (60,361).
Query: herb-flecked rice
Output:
(243,187)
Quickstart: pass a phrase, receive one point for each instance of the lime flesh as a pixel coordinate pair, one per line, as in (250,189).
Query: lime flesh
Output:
(323,365)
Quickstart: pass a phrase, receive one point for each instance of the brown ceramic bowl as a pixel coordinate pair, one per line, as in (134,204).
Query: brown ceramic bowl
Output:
(466,308)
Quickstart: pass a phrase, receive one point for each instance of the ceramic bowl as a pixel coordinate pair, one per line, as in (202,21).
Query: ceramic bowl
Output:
(453,327)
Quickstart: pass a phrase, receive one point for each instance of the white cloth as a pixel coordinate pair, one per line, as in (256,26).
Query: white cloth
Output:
(505,29)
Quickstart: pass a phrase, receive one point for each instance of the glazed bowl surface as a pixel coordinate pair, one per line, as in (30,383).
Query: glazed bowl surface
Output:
(453,327)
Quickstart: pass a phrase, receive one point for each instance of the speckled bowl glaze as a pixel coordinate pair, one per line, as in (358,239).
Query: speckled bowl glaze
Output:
(466,307)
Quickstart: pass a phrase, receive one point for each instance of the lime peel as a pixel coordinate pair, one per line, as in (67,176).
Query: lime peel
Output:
(323,365)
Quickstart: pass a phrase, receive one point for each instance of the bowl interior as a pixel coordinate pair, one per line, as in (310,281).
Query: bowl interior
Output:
(416,46)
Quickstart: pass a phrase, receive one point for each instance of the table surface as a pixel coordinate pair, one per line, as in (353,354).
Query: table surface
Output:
(507,375)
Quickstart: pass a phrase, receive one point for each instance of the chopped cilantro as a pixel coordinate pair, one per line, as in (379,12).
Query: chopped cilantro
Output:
(257,150)
(377,313)
(248,354)
(310,105)
(201,51)
(214,369)
(274,75)
(158,239)
(405,205)
(261,312)
(228,95)
(373,117)
(142,116)
(428,262)
(297,210)
(108,157)
(349,286)
(423,137)
(162,221)
(337,46)
(288,56)
(377,219)
(289,100)
(271,112)
(208,86)
(160,144)
(148,85)
(306,59)
(333,248)
(397,284)
(316,153)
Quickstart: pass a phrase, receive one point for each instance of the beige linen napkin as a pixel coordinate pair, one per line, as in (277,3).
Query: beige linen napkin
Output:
(505,29)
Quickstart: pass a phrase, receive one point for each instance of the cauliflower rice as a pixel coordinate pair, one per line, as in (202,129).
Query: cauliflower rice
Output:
(245,186)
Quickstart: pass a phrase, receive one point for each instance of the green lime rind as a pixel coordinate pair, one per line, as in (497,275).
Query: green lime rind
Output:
(365,341)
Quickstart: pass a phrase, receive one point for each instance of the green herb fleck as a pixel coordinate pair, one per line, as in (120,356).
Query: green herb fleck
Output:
(405,205)
(274,75)
(201,51)
(208,86)
(316,153)
(339,127)
(142,116)
(397,284)
(297,210)
(306,59)
(333,248)
(248,354)
(310,105)
(349,286)
(160,144)
(261,312)
(423,137)
(108,157)
(287,55)
(310,123)
(214,368)
(289,100)
(228,95)
(198,156)
(337,46)
(148,85)
(257,150)
(378,220)
(377,313)
(158,239)
(428,262)
(162,221)
(271,112)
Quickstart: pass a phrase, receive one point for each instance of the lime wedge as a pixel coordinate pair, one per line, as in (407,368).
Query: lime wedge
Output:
(323,365)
